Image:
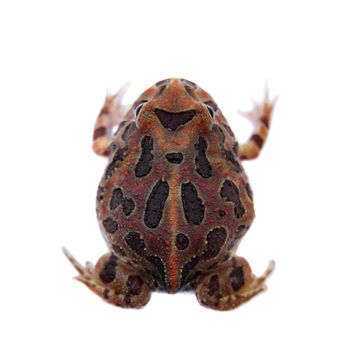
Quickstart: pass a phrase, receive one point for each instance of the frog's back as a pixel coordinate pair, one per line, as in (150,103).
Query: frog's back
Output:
(174,198)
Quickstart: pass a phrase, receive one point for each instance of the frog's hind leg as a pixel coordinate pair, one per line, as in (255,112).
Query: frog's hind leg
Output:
(111,115)
(115,282)
(260,116)
(230,285)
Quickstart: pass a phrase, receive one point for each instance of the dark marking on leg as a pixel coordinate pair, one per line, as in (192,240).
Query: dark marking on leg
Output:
(107,275)
(213,285)
(101,131)
(230,193)
(187,268)
(118,157)
(192,205)
(134,288)
(106,293)
(265,120)
(182,241)
(143,166)
(175,158)
(110,225)
(129,129)
(257,140)
(134,285)
(173,120)
(237,277)
(155,204)
(136,243)
(159,273)
(215,240)
(203,166)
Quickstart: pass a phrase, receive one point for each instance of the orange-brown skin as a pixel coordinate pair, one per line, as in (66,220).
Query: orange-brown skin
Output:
(174,224)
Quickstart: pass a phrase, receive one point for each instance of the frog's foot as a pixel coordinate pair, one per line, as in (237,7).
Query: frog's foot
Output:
(114,281)
(231,285)
(111,115)
(260,116)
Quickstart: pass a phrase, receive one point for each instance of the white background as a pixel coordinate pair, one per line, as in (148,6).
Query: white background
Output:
(57,59)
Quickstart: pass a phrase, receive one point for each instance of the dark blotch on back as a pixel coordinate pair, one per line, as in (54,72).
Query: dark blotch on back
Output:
(230,155)
(163,82)
(232,159)
(143,166)
(110,225)
(187,268)
(192,204)
(129,129)
(188,82)
(115,162)
(135,242)
(159,274)
(182,241)
(215,240)
(175,158)
(118,198)
(230,193)
(204,168)
(249,191)
(173,120)
(228,129)
(155,204)
(107,275)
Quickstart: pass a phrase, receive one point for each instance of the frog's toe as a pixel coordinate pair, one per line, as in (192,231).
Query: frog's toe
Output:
(231,285)
(114,281)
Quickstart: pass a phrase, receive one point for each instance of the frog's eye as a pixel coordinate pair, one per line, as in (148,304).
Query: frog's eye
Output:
(139,107)
(212,107)
(211,111)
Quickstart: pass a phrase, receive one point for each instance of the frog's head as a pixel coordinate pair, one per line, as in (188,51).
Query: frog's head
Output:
(174,103)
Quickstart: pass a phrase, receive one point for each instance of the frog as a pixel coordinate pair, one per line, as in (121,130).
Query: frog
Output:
(174,201)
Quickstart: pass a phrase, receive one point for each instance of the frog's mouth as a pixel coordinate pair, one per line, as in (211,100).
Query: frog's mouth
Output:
(173,120)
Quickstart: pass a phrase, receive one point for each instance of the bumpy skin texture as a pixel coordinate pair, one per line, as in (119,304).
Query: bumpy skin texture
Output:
(174,201)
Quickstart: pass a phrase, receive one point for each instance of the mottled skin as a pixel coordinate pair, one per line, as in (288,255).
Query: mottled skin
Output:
(174,201)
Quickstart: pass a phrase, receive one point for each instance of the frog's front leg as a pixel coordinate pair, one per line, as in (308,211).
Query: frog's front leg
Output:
(112,114)
(114,281)
(260,117)
(230,285)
